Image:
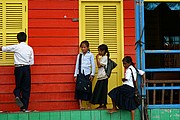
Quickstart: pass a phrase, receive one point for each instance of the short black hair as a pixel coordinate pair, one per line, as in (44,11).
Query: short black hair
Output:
(21,36)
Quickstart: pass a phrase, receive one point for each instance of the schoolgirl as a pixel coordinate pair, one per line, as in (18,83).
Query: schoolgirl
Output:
(88,69)
(99,95)
(123,96)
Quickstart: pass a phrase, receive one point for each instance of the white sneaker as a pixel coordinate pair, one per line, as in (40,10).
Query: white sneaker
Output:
(24,110)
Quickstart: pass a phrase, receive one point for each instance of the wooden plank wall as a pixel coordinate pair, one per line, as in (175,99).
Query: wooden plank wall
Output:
(129,29)
(54,38)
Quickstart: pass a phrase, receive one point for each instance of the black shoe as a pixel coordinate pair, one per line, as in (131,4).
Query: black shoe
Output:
(18,102)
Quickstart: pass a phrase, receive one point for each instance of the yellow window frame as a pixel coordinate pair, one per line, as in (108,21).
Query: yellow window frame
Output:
(97,37)
(13,19)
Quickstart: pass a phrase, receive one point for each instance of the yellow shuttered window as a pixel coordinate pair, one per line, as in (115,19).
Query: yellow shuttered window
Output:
(13,19)
(101,22)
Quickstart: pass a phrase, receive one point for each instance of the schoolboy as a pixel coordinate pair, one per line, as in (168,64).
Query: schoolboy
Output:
(23,58)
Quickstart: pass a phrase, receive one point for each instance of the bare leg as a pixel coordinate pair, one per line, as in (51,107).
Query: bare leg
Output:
(132,114)
(114,109)
(89,105)
(80,104)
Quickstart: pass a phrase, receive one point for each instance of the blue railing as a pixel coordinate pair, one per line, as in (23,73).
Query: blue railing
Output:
(162,51)
(155,88)
(164,106)
(147,88)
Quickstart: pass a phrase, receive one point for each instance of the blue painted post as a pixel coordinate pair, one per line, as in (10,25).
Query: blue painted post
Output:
(142,29)
(143,41)
(137,34)
(138,46)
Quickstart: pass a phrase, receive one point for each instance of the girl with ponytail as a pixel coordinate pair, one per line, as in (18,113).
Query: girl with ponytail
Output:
(123,96)
(99,95)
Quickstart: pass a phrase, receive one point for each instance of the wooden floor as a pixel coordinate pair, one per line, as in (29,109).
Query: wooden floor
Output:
(69,115)
(154,114)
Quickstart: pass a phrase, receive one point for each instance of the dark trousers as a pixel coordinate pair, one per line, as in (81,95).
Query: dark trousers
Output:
(23,84)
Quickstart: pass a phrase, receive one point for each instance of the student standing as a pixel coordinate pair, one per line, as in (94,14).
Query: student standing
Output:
(123,96)
(23,58)
(99,95)
(88,69)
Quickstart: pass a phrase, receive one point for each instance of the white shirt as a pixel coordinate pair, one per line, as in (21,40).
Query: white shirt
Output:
(23,54)
(87,64)
(101,71)
(128,75)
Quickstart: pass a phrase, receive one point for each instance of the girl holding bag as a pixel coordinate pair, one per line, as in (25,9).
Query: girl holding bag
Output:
(123,96)
(87,68)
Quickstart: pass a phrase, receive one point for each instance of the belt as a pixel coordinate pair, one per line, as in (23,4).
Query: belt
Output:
(19,65)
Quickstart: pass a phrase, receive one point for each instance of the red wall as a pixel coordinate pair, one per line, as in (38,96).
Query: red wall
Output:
(129,29)
(54,38)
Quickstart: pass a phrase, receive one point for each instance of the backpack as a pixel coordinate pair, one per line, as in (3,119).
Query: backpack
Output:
(110,66)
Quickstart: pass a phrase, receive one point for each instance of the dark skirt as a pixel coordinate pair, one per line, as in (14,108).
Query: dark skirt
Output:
(123,97)
(84,95)
(99,95)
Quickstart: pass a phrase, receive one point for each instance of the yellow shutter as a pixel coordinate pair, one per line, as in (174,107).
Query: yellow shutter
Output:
(1,27)
(110,27)
(91,27)
(100,23)
(13,19)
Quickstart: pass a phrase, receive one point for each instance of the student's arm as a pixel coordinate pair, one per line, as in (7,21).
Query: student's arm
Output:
(97,61)
(93,66)
(11,48)
(31,57)
(76,67)
(143,74)
(144,80)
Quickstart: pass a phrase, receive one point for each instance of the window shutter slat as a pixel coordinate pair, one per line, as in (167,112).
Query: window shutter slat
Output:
(92,26)
(110,28)
(1,16)
(13,23)
(1,43)
(1,27)
(101,26)
(14,15)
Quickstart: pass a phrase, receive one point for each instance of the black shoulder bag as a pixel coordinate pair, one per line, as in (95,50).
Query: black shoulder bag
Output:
(83,83)
(137,96)
(110,66)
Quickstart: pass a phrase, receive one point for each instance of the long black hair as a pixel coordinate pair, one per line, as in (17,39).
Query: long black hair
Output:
(104,47)
(128,59)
